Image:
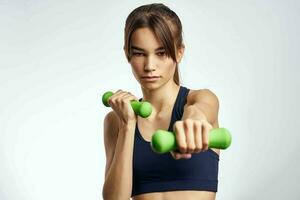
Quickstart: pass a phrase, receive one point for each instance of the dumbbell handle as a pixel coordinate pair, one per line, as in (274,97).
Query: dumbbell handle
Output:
(164,141)
(143,109)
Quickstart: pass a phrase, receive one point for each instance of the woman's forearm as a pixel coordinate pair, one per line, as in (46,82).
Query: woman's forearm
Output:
(118,183)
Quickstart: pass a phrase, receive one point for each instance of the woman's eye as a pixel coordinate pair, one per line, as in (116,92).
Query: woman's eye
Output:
(161,53)
(137,54)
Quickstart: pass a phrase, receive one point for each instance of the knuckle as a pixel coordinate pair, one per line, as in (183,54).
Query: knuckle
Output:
(199,146)
(182,148)
(198,149)
(205,147)
(177,124)
(118,100)
(123,100)
(198,123)
(188,124)
(111,100)
(188,121)
(191,148)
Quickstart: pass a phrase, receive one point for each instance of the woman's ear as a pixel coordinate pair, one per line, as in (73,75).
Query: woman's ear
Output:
(180,52)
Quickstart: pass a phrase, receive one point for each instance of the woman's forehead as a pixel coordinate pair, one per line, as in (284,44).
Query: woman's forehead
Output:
(144,39)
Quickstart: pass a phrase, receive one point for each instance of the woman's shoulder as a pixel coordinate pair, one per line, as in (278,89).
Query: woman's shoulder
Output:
(203,94)
(111,122)
(207,101)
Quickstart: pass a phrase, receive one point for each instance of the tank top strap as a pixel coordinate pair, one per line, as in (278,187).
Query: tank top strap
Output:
(179,106)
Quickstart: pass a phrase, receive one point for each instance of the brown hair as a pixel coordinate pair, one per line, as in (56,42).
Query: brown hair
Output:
(165,25)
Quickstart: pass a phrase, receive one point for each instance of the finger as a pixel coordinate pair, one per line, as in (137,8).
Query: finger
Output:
(117,93)
(185,155)
(175,155)
(189,133)
(126,99)
(113,98)
(129,97)
(198,136)
(117,97)
(178,156)
(120,94)
(126,94)
(205,128)
(180,137)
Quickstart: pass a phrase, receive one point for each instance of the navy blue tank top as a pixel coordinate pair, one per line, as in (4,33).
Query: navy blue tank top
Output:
(154,172)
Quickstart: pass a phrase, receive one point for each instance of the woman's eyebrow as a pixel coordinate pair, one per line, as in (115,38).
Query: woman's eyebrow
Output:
(140,49)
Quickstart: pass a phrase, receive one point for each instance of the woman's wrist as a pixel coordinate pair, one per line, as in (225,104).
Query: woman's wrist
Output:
(127,124)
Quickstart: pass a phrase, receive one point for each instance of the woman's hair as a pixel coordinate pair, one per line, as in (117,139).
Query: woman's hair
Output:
(165,25)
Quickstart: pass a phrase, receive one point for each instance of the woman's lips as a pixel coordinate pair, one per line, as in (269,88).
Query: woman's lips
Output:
(150,78)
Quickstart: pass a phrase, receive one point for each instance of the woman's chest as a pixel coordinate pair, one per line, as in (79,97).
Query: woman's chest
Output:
(147,128)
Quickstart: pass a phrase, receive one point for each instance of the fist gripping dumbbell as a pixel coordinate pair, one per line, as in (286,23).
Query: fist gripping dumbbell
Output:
(143,109)
(165,141)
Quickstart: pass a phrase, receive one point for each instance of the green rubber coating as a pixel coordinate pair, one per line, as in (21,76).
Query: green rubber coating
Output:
(164,141)
(143,109)
(105,98)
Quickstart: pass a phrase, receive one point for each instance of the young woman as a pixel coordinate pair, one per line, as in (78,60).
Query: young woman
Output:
(154,47)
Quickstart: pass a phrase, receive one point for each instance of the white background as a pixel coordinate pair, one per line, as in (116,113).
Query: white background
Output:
(58,57)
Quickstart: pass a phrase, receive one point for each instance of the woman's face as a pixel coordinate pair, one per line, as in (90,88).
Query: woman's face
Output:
(149,60)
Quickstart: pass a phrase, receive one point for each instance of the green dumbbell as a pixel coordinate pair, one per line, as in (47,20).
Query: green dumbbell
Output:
(143,109)
(165,141)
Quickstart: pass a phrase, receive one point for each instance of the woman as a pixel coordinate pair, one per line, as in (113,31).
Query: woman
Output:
(154,47)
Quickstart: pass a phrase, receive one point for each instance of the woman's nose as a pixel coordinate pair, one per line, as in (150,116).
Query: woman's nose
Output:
(149,68)
(149,64)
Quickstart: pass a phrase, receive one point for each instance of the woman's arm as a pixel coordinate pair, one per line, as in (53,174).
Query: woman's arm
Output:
(119,152)
(199,117)
(202,104)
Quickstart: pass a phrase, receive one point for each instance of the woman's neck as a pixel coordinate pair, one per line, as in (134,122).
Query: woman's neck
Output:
(161,98)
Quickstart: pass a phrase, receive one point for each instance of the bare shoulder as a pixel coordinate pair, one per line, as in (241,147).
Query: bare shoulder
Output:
(111,125)
(111,118)
(207,101)
(203,95)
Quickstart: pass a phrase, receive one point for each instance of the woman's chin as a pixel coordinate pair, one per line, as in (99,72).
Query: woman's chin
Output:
(149,86)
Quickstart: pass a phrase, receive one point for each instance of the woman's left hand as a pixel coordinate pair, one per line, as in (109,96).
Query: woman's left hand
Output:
(191,136)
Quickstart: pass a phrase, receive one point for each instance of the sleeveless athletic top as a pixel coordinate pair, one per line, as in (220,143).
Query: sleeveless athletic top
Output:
(154,172)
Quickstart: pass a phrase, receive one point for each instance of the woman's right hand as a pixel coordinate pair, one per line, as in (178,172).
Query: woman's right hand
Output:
(120,103)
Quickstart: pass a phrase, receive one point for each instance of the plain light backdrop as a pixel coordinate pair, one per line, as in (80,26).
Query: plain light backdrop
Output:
(58,57)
